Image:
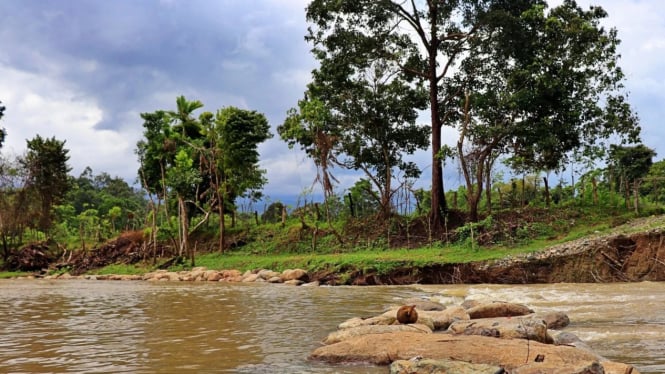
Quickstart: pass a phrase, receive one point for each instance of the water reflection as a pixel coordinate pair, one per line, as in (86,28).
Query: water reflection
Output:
(90,326)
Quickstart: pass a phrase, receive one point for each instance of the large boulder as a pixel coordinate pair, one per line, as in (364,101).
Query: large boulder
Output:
(383,349)
(498,309)
(295,274)
(590,367)
(505,328)
(424,305)
(384,319)
(444,318)
(426,366)
(553,320)
(436,319)
(341,335)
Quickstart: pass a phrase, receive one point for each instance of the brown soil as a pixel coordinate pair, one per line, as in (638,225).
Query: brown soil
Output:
(613,258)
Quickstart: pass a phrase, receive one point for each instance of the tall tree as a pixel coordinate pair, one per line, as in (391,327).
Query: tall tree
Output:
(545,84)
(632,163)
(18,206)
(169,162)
(46,162)
(427,39)
(202,162)
(371,116)
(232,138)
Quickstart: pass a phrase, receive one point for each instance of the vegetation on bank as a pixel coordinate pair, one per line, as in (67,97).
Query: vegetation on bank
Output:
(532,93)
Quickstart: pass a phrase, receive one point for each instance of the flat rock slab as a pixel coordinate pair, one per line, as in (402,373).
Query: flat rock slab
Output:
(383,349)
(426,366)
(498,309)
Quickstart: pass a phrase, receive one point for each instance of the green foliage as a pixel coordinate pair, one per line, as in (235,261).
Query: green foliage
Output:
(46,163)
(631,162)
(273,213)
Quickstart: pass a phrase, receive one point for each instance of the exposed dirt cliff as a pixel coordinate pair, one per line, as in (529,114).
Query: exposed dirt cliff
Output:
(635,252)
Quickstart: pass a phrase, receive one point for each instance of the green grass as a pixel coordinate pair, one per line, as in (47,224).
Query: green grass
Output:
(121,269)
(13,274)
(380,261)
(271,246)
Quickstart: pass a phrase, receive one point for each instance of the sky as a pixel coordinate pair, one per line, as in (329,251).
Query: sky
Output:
(83,71)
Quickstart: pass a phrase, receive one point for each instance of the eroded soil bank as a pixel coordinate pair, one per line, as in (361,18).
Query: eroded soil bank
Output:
(610,258)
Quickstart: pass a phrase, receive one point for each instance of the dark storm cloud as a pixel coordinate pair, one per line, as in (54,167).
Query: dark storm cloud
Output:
(123,52)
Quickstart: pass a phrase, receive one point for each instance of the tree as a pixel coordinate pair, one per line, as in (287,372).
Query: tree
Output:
(201,163)
(46,162)
(426,40)
(233,158)
(18,205)
(543,86)
(368,119)
(654,182)
(632,163)
(169,162)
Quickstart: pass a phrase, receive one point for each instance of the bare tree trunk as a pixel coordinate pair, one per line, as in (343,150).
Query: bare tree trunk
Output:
(547,191)
(636,195)
(184,227)
(283,215)
(488,182)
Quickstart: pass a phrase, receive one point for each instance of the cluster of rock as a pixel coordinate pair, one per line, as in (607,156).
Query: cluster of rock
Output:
(295,277)
(473,337)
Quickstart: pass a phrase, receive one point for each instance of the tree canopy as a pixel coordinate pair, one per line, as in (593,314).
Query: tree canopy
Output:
(362,121)
(201,163)
(46,163)
(513,77)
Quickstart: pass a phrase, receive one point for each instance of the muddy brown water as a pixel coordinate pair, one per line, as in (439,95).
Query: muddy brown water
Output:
(144,327)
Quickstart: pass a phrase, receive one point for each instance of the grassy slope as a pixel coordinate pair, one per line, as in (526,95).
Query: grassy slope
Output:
(263,253)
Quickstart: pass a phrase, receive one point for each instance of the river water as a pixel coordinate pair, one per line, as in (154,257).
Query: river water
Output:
(164,327)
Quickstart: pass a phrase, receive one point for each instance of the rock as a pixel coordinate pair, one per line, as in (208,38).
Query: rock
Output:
(572,340)
(291,274)
(341,335)
(231,274)
(267,274)
(424,305)
(213,276)
(593,367)
(427,366)
(175,277)
(199,273)
(293,282)
(441,320)
(470,303)
(382,349)
(275,279)
(384,319)
(311,284)
(251,277)
(553,320)
(505,328)
(238,278)
(498,309)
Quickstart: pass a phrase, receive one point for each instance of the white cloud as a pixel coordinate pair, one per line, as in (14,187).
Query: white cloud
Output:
(39,105)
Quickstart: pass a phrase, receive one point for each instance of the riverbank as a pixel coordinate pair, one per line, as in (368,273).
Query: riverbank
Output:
(634,251)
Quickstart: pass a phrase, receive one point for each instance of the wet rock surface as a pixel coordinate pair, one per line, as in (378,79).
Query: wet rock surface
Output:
(513,344)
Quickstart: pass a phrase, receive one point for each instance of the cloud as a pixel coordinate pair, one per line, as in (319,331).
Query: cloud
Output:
(83,71)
